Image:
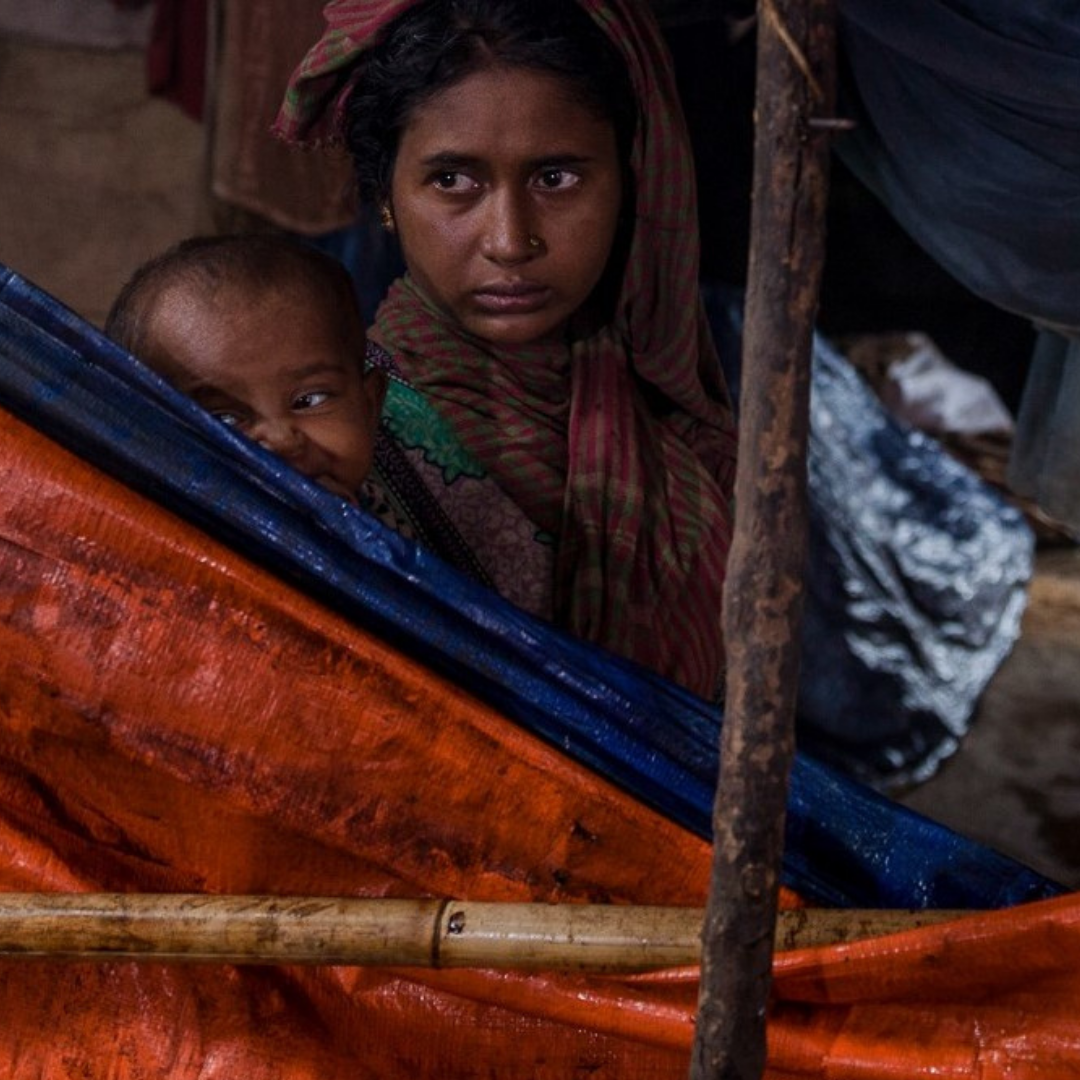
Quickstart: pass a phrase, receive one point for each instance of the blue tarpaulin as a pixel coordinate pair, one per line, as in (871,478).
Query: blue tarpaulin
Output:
(845,844)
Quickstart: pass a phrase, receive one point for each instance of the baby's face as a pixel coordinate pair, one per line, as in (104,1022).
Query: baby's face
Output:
(283,370)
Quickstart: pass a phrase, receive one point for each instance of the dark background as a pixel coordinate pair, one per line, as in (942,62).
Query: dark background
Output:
(876,279)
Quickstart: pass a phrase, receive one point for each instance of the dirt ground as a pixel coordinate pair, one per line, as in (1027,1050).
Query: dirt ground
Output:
(95,176)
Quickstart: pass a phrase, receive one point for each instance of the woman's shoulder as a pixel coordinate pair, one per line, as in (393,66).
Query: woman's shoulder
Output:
(416,425)
(374,499)
(375,356)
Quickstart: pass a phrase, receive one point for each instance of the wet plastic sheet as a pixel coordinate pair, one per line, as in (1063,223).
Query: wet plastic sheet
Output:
(916,578)
(844,845)
(918,585)
(176,717)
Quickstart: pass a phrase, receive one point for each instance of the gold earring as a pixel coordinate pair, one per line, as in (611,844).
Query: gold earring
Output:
(386,217)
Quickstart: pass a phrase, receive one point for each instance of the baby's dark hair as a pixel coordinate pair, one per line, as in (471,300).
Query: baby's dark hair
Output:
(261,262)
(438,43)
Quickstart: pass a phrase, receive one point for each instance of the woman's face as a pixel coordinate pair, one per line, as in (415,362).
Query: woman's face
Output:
(506,193)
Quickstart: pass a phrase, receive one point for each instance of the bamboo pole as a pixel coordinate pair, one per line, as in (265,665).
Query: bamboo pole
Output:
(186,927)
(764,588)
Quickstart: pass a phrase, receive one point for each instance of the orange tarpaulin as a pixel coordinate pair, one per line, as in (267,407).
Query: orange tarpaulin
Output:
(174,718)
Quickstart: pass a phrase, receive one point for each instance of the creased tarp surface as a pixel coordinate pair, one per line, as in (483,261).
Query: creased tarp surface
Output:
(844,845)
(177,719)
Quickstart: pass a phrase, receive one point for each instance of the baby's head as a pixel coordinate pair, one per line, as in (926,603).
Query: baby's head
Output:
(264,332)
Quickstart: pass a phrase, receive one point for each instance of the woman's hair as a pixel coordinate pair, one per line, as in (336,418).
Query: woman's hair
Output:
(261,262)
(437,43)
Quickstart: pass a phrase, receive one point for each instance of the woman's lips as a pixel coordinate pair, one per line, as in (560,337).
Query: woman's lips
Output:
(512,299)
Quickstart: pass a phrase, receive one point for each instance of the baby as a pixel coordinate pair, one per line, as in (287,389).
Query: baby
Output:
(264,333)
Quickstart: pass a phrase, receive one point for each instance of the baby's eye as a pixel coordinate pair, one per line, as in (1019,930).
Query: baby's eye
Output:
(311,399)
(228,418)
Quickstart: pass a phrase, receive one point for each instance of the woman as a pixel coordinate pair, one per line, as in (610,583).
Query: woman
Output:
(559,424)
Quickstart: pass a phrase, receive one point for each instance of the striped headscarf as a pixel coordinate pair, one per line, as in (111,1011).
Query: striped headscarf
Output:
(622,446)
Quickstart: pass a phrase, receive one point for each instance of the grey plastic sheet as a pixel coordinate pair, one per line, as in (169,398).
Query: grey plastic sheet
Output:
(916,588)
(916,579)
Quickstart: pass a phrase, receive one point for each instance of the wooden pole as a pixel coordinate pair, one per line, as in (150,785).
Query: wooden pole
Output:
(392,933)
(764,590)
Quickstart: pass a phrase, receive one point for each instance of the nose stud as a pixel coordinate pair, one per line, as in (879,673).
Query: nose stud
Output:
(534,241)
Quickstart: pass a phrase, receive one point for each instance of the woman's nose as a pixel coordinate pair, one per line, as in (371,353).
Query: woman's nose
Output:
(508,236)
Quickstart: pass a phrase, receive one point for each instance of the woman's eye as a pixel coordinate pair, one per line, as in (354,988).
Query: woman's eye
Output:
(556,179)
(452,181)
(311,399)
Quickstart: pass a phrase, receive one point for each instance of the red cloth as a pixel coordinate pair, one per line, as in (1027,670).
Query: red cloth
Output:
(259,43)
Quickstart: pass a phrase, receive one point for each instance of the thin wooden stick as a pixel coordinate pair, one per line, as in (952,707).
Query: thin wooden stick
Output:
(393,933)
(763,592)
